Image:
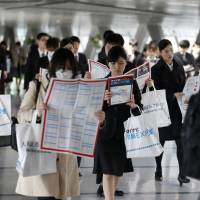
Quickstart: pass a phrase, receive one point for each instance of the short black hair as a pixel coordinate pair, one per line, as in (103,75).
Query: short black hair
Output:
(163,44)
(53,43)
(42,35)
(115,39)
(152,46)
(3,43)
(185,44)
(116,52)
(65,41)
(107,33)
(75,39)
(18,43)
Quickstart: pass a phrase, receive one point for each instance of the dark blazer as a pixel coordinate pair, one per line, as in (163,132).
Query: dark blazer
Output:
(2,68)
(102,58)
(191,138)
(172,81)
(33,56)
(82,64)
(189,59)
(116,115)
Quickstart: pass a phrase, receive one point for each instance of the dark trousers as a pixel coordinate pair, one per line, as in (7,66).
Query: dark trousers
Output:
(179,153)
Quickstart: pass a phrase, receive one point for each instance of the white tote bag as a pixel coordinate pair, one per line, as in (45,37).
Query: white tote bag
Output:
(155,102)
(142,137)
(31,161)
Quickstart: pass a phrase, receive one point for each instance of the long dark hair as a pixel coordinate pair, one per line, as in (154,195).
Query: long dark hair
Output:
(59,60)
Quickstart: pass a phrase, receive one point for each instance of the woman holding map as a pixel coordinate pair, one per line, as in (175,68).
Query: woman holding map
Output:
(65,183)
(170,76)
(110,155)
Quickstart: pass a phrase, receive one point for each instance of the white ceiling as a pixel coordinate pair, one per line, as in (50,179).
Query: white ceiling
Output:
(180,16)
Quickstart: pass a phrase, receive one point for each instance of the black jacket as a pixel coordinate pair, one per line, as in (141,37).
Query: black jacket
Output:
(2,68)
(172,81)
(191,138)
(116,115)
(82,64)
(189,59)
(31,65)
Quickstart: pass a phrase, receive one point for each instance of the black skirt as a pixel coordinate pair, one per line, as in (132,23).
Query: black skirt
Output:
(110,158)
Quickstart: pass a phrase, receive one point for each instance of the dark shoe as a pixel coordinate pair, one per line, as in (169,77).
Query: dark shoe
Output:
(183,179)
(100,191)
(158,175)
(119,193)
(80,174)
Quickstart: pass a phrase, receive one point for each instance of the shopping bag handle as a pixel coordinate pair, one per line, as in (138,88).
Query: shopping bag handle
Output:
(138,109)
(34,117)
(147,88)
(142,116)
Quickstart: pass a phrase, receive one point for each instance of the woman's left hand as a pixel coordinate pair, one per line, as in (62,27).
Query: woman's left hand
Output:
(88,75)
(179,94)
(100,115)
(132,103)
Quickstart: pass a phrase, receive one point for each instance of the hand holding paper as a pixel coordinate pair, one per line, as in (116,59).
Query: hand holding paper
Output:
(98,70)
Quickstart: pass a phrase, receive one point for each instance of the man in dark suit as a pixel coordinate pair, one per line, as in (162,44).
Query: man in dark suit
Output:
(36,51)
(116,39)
(82,64)
(3,68)
(102,55)
(183,57)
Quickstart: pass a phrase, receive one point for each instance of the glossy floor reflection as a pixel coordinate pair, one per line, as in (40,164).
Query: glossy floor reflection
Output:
(139,185)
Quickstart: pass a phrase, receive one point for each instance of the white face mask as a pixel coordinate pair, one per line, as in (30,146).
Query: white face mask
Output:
(50,55)
(60,74)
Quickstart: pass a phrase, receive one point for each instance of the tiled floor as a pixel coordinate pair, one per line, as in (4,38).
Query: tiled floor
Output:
(139,185)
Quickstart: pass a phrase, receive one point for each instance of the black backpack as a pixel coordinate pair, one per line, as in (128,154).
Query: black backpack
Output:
(191,138)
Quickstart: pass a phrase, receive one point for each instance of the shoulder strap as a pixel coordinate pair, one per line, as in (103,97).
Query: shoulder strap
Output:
(38,83)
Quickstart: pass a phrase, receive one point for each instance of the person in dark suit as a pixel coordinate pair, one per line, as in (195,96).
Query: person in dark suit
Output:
(136,58)
(102,55)
(51,46)
(110,153)
(3,68)
(36,51)
(116,39)
(183,57)
(81,59)
(169,75)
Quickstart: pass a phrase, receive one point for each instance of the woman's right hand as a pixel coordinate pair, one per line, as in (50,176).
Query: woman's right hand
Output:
(88,75)
(108,96)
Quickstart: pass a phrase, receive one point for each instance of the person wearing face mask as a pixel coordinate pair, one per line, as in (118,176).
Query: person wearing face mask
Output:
(65,183)
(169,75)
(110,153)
